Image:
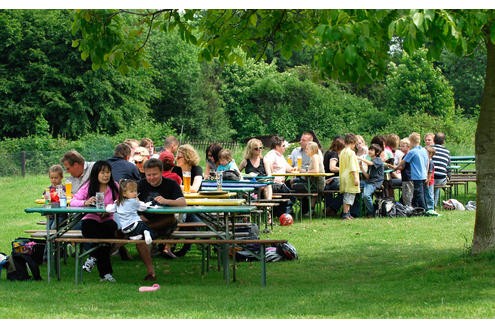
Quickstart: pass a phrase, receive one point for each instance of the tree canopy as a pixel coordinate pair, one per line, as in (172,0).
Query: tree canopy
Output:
(352,45)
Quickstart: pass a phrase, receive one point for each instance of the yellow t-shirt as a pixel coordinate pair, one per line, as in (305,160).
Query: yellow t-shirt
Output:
(348,163)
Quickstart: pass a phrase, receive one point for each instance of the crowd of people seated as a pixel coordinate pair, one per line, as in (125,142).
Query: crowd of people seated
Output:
(358,171)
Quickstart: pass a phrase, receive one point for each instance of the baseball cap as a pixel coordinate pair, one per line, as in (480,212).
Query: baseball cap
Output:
(167,158)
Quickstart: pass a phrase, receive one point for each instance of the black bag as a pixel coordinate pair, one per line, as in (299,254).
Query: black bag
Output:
(17,268)
(30,246)
(231,175)
(385,208)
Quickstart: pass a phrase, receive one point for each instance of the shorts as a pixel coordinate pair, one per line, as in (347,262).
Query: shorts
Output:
(349,198)
(139,228)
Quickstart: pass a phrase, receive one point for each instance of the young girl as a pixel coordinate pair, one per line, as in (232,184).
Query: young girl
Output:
(315,165)
(226,162)
(98,225)
(56,175)
(126,215)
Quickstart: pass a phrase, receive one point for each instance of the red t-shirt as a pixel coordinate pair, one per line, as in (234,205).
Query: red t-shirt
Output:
(172,175)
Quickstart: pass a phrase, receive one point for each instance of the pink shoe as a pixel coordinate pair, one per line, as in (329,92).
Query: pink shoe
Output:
(153,288)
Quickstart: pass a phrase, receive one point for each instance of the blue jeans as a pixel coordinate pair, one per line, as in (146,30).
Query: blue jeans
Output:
(419,194)
(439,182)
(430,197)
(367,192)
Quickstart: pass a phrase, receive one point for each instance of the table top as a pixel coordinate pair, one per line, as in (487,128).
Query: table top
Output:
(235,184)
(191,195)
(156,210)
(226,188)
(215,202)
(303,174)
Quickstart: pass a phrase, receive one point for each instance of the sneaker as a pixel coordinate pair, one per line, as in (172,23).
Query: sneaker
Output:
(147,237)
(432,213)
(89,264)
(108,277)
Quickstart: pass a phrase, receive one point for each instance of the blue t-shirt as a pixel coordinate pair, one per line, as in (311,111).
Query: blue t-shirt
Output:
(418,158)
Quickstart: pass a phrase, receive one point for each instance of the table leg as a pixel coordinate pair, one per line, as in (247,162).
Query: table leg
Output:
(49,248)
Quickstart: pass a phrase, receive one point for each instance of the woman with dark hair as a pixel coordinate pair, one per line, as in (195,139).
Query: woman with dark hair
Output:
(212,152)
(98,225)
(333,201)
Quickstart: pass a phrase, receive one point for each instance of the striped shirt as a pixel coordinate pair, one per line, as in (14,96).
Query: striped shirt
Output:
(441,160)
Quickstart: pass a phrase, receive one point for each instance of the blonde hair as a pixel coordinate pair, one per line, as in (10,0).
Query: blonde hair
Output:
(405,141)
(415,138)
(251,144)
(57,168)
(431,150)
(190,154)
(312,147)
(225,154)
(125,185)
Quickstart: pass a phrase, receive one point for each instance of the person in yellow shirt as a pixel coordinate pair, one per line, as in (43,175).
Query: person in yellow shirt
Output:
(349,174)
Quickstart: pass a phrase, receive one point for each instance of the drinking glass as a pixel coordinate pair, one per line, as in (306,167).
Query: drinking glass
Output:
(186,179)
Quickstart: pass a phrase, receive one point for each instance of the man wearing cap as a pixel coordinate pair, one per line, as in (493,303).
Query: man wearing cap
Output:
(121,167)
(167,159)
(170,146)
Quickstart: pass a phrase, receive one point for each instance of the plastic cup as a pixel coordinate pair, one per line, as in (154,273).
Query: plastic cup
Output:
(186,179)
(100,200)
(299,162)
(68,189)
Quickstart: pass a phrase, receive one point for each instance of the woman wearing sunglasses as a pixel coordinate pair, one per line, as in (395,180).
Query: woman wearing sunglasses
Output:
(253,163)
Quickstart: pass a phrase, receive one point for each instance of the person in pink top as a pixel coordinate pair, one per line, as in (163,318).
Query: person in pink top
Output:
(98,225)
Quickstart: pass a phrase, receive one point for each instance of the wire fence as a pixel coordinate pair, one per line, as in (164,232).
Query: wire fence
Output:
(37,162)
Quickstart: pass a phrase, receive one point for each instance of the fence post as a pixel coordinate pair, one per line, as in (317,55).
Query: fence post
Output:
(23,163)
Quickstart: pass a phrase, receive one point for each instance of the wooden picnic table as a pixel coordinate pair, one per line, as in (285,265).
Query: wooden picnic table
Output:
(228,213)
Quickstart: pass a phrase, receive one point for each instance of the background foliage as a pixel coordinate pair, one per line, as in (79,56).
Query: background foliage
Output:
(51,100)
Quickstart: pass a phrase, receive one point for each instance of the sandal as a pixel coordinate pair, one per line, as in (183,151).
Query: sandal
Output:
(153,288)
(150,277)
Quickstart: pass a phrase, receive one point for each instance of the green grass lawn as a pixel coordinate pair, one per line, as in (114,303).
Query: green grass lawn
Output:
(367,268)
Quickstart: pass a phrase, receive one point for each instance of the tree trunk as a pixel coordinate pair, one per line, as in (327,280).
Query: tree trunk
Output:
(484,227)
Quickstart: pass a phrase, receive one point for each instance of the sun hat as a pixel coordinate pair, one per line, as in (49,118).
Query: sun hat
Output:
(140,154)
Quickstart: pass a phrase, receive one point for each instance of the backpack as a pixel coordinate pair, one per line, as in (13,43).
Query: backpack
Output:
(385,207)
(17,268)
(231,175)
(25,259)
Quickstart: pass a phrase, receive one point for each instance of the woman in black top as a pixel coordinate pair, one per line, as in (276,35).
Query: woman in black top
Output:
(252,163)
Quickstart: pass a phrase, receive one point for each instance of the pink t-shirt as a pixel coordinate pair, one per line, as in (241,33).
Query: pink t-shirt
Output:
(80,197)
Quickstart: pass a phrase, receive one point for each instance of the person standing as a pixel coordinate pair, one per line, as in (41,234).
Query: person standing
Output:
(349,174)
(441,160)
(417,157)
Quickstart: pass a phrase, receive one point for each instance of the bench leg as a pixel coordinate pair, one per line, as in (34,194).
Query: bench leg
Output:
(263,265)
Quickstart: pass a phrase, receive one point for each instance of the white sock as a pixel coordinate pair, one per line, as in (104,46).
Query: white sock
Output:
(147,237)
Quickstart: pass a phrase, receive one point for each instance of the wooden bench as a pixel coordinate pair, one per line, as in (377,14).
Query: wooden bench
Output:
(204,255)
(458,179)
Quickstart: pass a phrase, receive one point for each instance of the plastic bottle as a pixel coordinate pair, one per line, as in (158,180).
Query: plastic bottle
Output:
(47,197)
(62,198)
